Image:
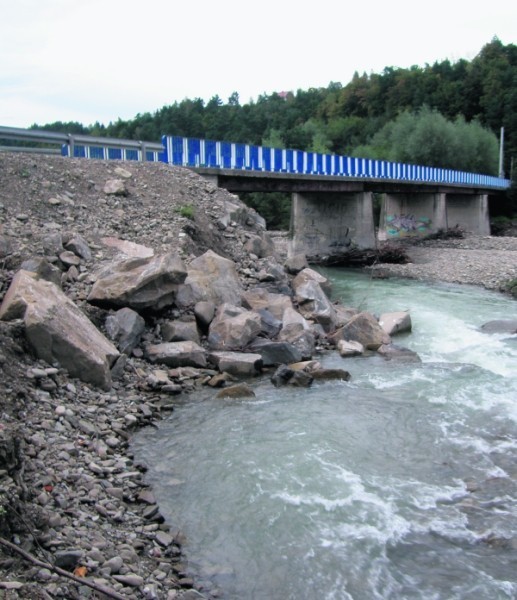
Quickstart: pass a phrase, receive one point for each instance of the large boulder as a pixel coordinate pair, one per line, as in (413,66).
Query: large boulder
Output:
(309,274)
(285,375)
(347,349)
(259,298)
(214,278)
(398,353)
(237,364)
(139,283)
(395,322)
(296,263)
(233,328)
(297,331)
(177,354)
(275,353)
(179,331)
(314,304)
(57,330)
(362,328)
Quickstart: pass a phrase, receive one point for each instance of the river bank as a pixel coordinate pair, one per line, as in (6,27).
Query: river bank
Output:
(76,513)
(486,261)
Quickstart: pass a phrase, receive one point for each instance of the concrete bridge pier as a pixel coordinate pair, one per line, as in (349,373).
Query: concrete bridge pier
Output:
(411,215)
(329,223)
(469,212)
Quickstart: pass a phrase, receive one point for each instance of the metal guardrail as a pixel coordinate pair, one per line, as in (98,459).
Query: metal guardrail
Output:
(81,146)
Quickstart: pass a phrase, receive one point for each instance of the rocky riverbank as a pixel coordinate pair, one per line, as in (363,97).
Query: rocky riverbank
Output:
(98,246)
(485,261)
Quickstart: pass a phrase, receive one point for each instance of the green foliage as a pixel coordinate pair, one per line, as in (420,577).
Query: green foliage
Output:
(274,207)
(187,211)
(427,138)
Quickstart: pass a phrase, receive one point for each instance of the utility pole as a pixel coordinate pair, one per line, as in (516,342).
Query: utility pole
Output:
(501,148)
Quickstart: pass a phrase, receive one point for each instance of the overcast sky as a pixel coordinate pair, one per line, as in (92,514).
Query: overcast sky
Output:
(100,60)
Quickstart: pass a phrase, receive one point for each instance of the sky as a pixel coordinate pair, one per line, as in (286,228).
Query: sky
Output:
(102,60)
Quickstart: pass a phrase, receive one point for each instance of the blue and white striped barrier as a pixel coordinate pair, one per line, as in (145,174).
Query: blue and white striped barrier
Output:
(194,152)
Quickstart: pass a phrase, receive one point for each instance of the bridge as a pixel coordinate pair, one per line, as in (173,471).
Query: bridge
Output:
(332,196)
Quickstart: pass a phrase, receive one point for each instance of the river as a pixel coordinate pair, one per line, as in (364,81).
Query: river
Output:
(399,484)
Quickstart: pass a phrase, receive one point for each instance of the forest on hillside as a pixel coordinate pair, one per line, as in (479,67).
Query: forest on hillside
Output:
(446,115)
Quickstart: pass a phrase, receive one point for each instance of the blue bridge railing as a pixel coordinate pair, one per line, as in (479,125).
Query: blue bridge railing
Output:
(193,152)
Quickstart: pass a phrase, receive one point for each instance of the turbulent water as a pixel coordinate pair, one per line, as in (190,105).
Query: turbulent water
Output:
(399,484)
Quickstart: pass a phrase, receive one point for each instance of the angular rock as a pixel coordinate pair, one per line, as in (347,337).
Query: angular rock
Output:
(212,277)
(125,328)
(295,264)
(204,311)
(398,353)
(259,298)
(298,332)
(344,314)
(260,245)
(179,331)
(275,353)
(270,326)
(395,322)
(79,246)
(362,328)
(177,354)
(69,259)
(237,364)
(115,187)
(309,274)
(330,374)
(42,269)
(239,390)
(139,283)
(284,375)
(129,249)
(52,244)
(67,559)
(314,304)
(233,328)
(346,349)
(58,331)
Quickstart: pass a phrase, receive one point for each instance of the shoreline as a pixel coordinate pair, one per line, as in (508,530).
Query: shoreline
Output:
(485,261)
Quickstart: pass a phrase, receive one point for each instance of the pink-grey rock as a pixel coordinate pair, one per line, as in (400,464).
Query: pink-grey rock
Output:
(177,354)
(237,364)
(139,283)
(214,278)
(259,298)
(362,328)
(233,328)
(58,331)
(395,322)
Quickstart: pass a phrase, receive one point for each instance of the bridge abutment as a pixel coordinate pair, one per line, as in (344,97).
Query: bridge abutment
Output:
(329,223)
